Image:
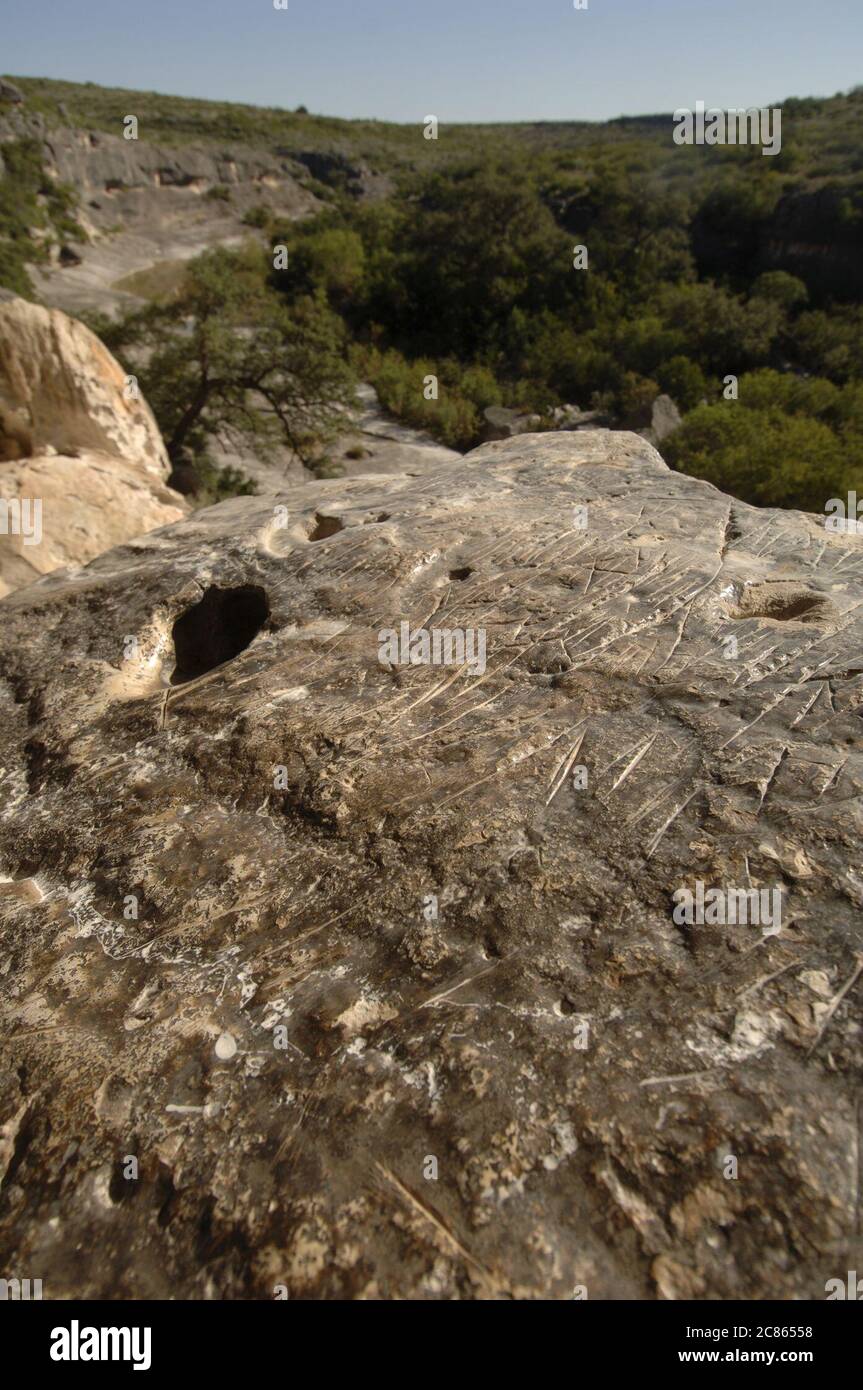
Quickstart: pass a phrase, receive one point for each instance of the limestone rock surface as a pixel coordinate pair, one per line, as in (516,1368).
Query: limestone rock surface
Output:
(348,978)
(89,503)
(74,443)
(144,206)
(69,389)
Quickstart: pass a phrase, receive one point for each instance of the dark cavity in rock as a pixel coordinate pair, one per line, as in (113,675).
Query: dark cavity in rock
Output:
(217,629)
(325,526)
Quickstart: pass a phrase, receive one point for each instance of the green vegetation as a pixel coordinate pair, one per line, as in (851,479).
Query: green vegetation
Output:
(216,484)
(468,277)
(256,217)
(159,281)
(787,441)
(821,136)
(35,213)
(226,357)
(705,263)
(455,417)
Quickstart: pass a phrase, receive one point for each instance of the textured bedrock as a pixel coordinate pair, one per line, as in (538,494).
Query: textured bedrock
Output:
(389,914)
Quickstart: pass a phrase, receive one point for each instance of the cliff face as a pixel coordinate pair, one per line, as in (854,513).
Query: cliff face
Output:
(816,235)
(142,204)
(352,976)
(813,233)
(97,163)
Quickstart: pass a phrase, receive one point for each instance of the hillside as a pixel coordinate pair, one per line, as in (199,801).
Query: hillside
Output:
(718,278)
(826,133)
(430,873)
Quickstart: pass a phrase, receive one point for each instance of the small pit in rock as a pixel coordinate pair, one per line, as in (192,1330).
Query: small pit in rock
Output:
(783,603)
(217,629)
(324,527)
(461,574)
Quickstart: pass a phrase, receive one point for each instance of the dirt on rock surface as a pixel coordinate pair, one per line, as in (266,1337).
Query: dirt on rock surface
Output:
(335,976)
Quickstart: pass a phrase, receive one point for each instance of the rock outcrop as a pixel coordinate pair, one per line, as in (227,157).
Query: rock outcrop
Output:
(665,418)
(143,205)
(346,172)
(58,375)
(372,442)
(103,165)
(503,423)
(337,976)
(76,438)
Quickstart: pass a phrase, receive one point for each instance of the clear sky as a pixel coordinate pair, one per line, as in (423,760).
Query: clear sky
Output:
(470,60)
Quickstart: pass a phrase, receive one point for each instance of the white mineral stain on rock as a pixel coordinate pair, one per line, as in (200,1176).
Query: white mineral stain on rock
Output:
(362,1013)
(226,1047)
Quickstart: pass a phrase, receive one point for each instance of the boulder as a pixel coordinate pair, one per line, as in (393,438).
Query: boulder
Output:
(502,423)
(375,968)
(665,419)
(569,417)
(82,463)
(9,92)
(75,395)
(87,504)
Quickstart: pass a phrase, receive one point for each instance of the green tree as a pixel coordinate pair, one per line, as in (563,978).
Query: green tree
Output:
(469,248)
(720,331)
(330,259)
(781,288)
(683,380)
(227,356)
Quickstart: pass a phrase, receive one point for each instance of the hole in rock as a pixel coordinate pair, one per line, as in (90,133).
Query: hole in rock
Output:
(121,1188)
(325,526)
(783,603)
(464,573)
(217,629)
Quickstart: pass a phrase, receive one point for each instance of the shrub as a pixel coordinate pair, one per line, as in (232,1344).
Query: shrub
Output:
(765,457)
(683,380)
(258,216)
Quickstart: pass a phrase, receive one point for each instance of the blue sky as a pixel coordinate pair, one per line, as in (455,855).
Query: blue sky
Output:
(475,60)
